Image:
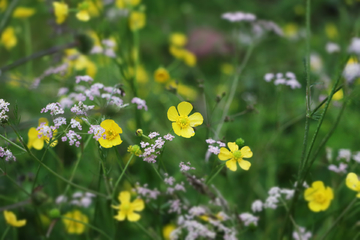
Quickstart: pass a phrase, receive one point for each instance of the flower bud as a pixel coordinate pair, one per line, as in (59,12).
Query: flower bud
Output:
(54,213)
(240,142)
(134,149)
(139,132)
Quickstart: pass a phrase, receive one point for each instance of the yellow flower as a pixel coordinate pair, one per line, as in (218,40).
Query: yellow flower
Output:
(23,12)
(38,143)
(235,156)
(185,91)
(112,131)
(167,230)
(331,31)
(176,51)
(8,38)
(227,68)
(73,227)
(291,30)
(352,182)
(127,208)
(161,75)
(127,3)
(178,39)
(10,219)
(338,95)
(61,11)
(83,15)
(137,20)
(189,58)
(3,5)
(318,196)
(95,7)
(182,123)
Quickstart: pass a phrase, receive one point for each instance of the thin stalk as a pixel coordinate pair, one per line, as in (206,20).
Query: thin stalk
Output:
(15,183)
(5,232)
(339,218)
(157,172)
(120,177)
(12,143)
(7,15)
(145,231)
(215,174)
(90,226)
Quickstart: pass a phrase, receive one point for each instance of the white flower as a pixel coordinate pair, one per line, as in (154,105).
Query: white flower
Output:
(341,169)
(268,77)
(354,46)
(356,157)
(248,219)
(344,154)
(239,16)
(257,206)
(302,234)
(332,47)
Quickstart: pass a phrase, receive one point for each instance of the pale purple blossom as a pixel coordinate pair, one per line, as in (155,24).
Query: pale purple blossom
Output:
(301,234)
(175,206)
(210,141)
(98,131)
(332,47)
(338,169)
(62,91)
(257,206)
(153,134)
(86,78)
(169,137)
(238,16)
(82,199)
(197,211)
(268,77)
(293,83)
(81,108)
(214,149)
(140,103)
(72,137)
(184,167)
(356,157)
(54,108)
(280,81)
(61,199)
(221,144)
(7,154)
(75,124)
(59,121)
(288,79)
(289,193)
(249,219)
(147,193)
(169,180)
(144,144)
(344,154)
(3,109)
(112,90)
(44,130)
(354,46)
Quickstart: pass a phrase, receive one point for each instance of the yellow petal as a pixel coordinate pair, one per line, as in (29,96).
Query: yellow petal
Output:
(33,133)
(105,143)
(83,15)
(124,197)
(231,164)
(246,152)
(38,143)
(308,194)
(318,185)
(138,204)
(352,181)
(225,154)
(233,146)
(121,216)
(176,128)
(172,114)
(315,207)
(196,119)
(187,132)
(11,219)
(244,164)
(184,108)
(43,120)
(329,193)
(133,217)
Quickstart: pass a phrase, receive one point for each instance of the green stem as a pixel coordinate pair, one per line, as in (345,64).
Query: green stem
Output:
(157,172)
(120,177)
(339,218)
(146,231)
(12,143)
(208,181)
(28,44)
(5,232)
(15,183)
(90,226)
(7,15)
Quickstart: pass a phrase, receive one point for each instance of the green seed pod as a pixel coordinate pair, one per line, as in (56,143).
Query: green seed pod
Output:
(240,142)
(54,213)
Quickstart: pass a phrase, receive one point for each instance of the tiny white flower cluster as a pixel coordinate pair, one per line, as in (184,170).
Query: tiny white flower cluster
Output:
(108,51)
(7,154)
(354,46)
(79,199)
(98,132)
(239,17)
(332,47)
(351,71)
(140,103)
(214,146)
(73,138)
(184,167)
(45,131)
(279,79)
(146,193)
(61,69)
(3,109)
(81,108)
(151,151)
(249,219)
(172,188)
(85,78)
(54,108)
(344,156)
(301,234)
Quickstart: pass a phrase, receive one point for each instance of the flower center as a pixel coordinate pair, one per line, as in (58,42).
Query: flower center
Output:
(110,134)
(125,207)
(183,122)
(237,154)
(319,197)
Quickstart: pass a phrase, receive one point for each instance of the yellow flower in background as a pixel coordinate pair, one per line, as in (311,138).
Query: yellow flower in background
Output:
(11,219)
(227,68)
(235,156)
(137,20)
(95,7)
(126,3)
(127,209)
(331,31)
(23,12)
(167,230)
(178,39)
(189,58)
(291,30)
(61,11)
(318,196)
(8,38)
(161,75)
(112,134)
(80,62)
(3,5)
(73,227)
(35,141)
(187,92)
(83,14)
(352,182)
(182,123)
(338,95)
(176,51)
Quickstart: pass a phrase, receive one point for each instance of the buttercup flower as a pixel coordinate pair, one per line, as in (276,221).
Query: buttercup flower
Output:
(137,20)
(8,38)
(235,155)
(61,11)
(182,123)
(111,136)
(161,75)
(83,14)
(73,227)
(11,219)
(23,12)
(126,3)
(127,208)
(352,182)
(35,141)
(167,230)
(178,39)
(318,196)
